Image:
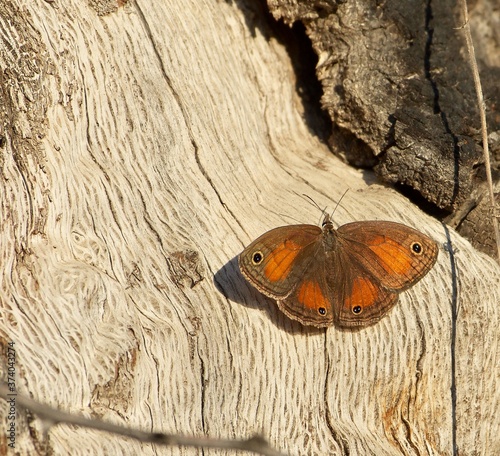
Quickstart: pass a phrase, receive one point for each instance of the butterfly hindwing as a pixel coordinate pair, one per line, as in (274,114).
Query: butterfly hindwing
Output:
(361,300)
(311,300)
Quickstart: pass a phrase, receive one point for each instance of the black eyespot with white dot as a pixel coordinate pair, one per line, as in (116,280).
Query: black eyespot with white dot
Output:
(257,258)
(356,310)
(417,248)
(322,311)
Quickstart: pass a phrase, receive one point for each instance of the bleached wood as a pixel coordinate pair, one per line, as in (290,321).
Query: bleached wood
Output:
(161,129)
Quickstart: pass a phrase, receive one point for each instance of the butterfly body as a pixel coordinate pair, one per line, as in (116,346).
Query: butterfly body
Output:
(350,277)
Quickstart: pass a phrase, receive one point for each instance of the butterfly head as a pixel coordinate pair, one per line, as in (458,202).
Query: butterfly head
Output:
(327,223)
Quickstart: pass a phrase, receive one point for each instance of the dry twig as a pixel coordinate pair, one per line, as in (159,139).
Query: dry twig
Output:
(53,416)
(482,113)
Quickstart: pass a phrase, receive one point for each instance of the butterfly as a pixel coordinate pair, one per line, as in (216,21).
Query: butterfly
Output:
(348,277)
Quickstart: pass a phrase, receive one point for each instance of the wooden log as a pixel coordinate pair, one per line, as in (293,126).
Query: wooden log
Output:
(143,149)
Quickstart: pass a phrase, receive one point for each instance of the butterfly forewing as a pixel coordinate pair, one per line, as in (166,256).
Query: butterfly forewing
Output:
(275,261)
(395,255)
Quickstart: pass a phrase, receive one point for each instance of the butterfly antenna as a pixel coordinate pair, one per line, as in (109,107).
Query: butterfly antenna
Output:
(315,204)
(337,205)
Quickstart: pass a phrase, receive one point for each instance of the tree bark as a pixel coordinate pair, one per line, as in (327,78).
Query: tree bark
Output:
(398,86)
(144,145)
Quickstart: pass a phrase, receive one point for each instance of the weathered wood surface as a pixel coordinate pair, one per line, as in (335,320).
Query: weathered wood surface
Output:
(143,149)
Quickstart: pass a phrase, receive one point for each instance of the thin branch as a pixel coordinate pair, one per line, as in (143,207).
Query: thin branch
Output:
(482,113)
(53,416)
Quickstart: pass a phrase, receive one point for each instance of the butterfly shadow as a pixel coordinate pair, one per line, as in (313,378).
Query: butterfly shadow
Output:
(231,283)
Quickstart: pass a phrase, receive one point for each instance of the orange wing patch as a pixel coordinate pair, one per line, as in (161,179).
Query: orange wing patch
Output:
(366,304)
(392,258)
(310,295)
(363,293)
(280,261)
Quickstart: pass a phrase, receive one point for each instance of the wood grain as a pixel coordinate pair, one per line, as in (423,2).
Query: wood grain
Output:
(143,150)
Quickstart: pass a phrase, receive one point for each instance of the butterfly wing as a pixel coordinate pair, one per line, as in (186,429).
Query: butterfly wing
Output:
(396,255)
(359,298)
(379,260)
(275,262)
(310,301)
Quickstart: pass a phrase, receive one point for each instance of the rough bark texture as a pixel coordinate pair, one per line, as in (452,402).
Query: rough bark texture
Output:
(142,150)
(396,77)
